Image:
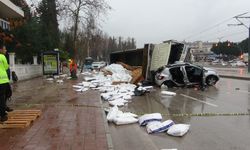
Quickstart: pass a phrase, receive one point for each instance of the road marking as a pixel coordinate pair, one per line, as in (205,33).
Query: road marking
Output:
(207,97)
(195,99)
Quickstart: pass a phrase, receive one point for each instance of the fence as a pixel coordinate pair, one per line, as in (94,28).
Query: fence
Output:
(26,71)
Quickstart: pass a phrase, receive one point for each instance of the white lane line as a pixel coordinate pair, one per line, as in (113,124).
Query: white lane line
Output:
(195,99)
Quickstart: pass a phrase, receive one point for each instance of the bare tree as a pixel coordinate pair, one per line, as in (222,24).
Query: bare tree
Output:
(80,10)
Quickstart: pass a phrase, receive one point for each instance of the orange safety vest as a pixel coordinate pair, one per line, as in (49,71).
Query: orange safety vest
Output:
(72,66)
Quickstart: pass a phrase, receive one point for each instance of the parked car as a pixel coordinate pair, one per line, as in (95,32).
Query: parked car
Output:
(185,74)
(98,64)
(238,63)
(88,63)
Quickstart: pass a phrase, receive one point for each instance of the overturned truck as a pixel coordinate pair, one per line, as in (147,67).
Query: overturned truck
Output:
(153,56)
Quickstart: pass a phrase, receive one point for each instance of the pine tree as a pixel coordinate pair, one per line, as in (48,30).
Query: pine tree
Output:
(48,18)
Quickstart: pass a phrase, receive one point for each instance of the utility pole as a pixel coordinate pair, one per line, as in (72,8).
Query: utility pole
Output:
(238,17)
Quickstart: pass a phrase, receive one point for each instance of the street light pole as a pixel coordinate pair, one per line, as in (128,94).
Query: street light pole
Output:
(238,17)
(249,50)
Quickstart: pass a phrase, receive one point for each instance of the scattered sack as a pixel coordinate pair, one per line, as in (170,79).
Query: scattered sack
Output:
(158,127)
(125,118)
(120,118)
(50,79)
(56,77)
(112,113)
(118,102)
(168,93)
(178,129)
(77,86)
(145,119)
(59,81)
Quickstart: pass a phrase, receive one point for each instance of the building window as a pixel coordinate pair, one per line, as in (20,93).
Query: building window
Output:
(4,24)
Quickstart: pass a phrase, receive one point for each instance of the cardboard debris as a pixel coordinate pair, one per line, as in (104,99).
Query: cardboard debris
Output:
(136,72)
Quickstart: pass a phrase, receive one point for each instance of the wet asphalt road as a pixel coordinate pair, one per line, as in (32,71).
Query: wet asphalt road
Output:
(206,132)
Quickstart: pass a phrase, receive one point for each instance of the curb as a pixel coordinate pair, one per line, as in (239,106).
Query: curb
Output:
(108,136)
(234,77)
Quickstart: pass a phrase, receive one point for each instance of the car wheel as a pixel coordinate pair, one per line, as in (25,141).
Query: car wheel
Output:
(211,80)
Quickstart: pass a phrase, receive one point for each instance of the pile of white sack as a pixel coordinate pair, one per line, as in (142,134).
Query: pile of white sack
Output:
(119,73)
(115,95)
(154,125)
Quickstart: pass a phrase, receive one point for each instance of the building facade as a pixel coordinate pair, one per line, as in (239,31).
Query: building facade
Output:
(9,10)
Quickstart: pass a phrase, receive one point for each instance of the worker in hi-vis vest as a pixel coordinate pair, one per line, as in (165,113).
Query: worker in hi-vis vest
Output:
(4,83)
(73,69)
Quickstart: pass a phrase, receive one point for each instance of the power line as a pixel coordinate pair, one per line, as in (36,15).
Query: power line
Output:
(228,35)
(209,28)
(216,33)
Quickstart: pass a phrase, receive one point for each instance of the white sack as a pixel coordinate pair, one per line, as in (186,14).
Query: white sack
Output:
(63,75)
(112,113)
(168,93)
(178,129)
(77,86)
(89,78)
(119,118)
(59,81)
(50,79)
(56,77)
(81,89)
(118,77)
(118,102)
(143,120)
(125,120)
(86,84)
(127,114)
(158,127)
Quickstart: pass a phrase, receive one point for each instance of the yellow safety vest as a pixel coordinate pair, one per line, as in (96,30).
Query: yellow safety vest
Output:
(3,70)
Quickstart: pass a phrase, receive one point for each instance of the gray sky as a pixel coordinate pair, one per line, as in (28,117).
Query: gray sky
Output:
(153,21)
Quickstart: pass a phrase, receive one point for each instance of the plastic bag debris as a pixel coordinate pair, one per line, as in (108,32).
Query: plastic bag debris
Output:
(168,93)
(178,129)
(145,119)
(158,127)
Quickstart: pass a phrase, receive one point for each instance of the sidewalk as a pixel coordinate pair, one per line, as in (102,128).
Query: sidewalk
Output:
(69,120)
(235,73)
